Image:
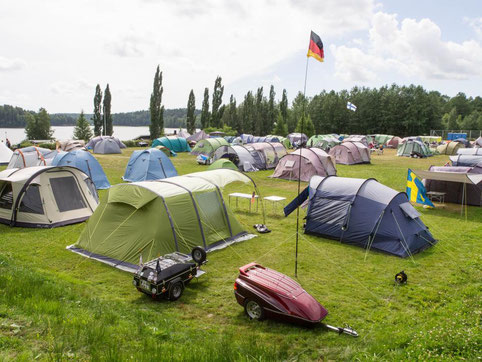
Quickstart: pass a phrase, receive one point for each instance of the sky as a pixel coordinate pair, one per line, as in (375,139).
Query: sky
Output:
(53,53)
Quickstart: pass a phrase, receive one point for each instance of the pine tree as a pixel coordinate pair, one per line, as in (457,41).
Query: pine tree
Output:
(82,130)
(190,118)
(38,126)
(272,114)
(216,113)
(107,112)
(280,128)
(205,110)
(156,110)
(305,125)
(97,119)
(283,107)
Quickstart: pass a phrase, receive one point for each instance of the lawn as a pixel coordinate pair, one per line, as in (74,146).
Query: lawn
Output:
(56,305)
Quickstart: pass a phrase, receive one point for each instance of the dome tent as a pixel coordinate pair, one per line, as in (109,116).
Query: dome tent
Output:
(107,146)
(365,213)
(176,144)
(208,146)
(5,154)
(413,146)
(148,164)
(394,142)
(153,218)
(71,145)
(323,141)
(364,140)
(466,160)
(297,138)
(85,162)
(314,161)
(31,156)
(46,196)
(196,137)
(350,153)
(222,163)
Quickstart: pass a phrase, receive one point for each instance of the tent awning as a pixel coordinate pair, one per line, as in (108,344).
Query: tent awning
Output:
(449,176)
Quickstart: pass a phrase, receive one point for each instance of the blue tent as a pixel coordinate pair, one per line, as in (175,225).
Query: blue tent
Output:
(85,162)
(149,164)
(176,144)
(364,213)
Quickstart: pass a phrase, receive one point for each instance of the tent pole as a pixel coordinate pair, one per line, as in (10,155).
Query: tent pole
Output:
(299,172)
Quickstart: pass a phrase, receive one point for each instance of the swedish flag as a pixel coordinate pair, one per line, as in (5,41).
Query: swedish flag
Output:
(416,191)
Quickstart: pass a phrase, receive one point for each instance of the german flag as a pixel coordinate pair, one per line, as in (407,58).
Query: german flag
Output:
(315,49)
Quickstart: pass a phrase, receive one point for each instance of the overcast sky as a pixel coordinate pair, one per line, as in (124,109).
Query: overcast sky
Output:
(53,52)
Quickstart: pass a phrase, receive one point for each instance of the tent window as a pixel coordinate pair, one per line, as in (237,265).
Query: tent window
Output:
(6,196)
(289,164)
(67,194)
(31,201)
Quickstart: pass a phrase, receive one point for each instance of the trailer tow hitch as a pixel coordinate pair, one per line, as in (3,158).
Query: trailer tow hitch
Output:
(347,330)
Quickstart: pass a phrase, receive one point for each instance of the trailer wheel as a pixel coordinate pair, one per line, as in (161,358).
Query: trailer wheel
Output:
(253,310)
(175,291)
(198,255)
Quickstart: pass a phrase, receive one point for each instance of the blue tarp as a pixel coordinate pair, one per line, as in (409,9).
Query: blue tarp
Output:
(85,162)
(150,164)
(453,136)
(364,213)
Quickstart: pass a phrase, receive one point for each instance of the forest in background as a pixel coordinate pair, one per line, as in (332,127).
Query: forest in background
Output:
(398,110)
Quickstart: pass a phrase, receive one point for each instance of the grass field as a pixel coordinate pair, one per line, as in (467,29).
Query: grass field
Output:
(56,305)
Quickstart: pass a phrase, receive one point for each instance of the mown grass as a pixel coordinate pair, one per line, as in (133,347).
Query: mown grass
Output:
(56,305)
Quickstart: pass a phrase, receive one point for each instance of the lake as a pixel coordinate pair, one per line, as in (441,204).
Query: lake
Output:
(124,133)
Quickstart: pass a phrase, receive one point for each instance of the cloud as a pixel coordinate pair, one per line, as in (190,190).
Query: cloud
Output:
(74,88)
(476,25)
(410,48)
(7,65)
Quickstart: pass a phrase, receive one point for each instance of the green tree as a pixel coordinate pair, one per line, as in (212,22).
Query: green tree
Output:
(283,106)
(82,130)
(247,113)
(449,120)
(97,118)
(259,113)
(473,121)
(190,118)
(271,112)
(205,110)
(300,106)
(280,128)
(216,113)
(156,128)
(109,129)
(38,126)
(305,125)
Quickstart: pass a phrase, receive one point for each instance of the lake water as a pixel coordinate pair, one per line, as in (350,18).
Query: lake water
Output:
(124,133)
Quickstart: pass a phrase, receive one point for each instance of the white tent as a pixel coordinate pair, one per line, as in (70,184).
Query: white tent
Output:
(5,154)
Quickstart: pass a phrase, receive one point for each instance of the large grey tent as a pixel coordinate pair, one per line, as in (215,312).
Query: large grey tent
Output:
(5,154)
(475,151)
(152,218)
(46,196)
(364,213)
(196,137)
(253,156)
(314,161)
(466,160)
(297,139)
(91,144)
(454,190)
(31,156)
(350,153)
(357,138)
(107,146)
(71,145)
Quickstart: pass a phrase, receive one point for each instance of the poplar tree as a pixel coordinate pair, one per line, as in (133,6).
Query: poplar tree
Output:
(283,106)
(97,119)
(248,113)
(232,115)
(156,110)
(107,112)
(216,113)
(258,118)
(272,113)
(191,119)
(82,130)
(205,110)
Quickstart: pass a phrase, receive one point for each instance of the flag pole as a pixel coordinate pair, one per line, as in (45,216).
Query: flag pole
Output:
(299,171)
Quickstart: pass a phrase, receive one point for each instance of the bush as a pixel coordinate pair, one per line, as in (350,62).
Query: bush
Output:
(50,146)
(135,143)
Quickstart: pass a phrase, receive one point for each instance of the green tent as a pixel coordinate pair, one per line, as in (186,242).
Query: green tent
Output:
(450,148)
(382,139)
(153,218)
(222,163)
(174,143)
(208,146)
(413,146)
(323,141)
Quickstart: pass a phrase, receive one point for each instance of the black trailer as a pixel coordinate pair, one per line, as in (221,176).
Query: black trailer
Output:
(167,275)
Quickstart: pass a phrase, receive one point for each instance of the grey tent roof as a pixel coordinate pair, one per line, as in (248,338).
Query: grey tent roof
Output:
(107,146)
(200,135)
(470,151)
(466,160)
(5,154)
(350,153)
(31,156)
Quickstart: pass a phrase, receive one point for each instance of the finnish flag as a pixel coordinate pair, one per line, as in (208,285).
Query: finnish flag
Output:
(351,106)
